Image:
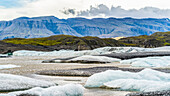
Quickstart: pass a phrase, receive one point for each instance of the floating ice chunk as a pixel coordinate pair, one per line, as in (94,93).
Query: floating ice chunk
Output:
(61,53)
(88,58)
(3,55)
(165,48)
(8,66)
(99,79)
(66,90)
(148,62)
(15,82)
(138,85)
(97,51)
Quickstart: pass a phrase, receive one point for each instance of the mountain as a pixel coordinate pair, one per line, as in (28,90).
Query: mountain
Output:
(25,27)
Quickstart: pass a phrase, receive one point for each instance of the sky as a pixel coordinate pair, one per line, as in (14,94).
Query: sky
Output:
(11,9)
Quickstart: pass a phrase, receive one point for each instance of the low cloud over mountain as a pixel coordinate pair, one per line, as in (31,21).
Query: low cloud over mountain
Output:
(104,11)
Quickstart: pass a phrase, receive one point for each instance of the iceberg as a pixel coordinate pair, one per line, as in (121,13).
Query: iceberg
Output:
(9,82)
(141,81)
(72,53)
(138,85)
(65,90)
(89,59)
(163,61)
(8,66)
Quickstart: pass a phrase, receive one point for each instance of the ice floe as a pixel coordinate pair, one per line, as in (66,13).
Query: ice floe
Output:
(8,66)
(104,50)
(163,61)
(3,55)
(90,59)
(138,85)
(65,90)
(10,82)
(145,80)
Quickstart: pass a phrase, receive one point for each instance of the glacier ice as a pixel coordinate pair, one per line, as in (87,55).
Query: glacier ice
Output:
(138,85)
(90,58)
(8,66)
(3,55)
(97,51)
(15,82)
(65,90)
(72,53)
(137,62)
(148,62)
(141,81)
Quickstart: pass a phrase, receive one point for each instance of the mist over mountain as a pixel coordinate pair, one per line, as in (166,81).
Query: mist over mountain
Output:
(25,27)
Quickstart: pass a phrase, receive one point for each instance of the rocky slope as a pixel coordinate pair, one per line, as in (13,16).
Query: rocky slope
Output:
(155,40)
(57,42)
(36,27)
(68,42)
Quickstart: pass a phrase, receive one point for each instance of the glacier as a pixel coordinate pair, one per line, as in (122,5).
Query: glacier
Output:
(65,90)
(140,81)
(9,82)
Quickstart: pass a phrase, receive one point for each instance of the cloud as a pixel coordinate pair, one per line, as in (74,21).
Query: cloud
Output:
(69,11)
(85,8)
(34,8)
(146,12)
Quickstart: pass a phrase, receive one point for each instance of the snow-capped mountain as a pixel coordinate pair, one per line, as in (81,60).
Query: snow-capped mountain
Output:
(25,27)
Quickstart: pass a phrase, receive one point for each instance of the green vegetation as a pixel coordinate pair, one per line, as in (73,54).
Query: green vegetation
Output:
(85,43)
(66,41)
(155,40)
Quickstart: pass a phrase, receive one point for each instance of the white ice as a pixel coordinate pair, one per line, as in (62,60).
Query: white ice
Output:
(104,50)
(138,85)
(66,90)
(4,55)
(15,82)
(112,77)
(93,58)
(8,66)
(163,61)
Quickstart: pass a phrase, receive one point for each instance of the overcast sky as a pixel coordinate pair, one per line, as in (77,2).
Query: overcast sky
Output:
(10,9)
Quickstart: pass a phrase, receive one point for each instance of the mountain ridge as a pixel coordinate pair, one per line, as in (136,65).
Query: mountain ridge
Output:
(44,26)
